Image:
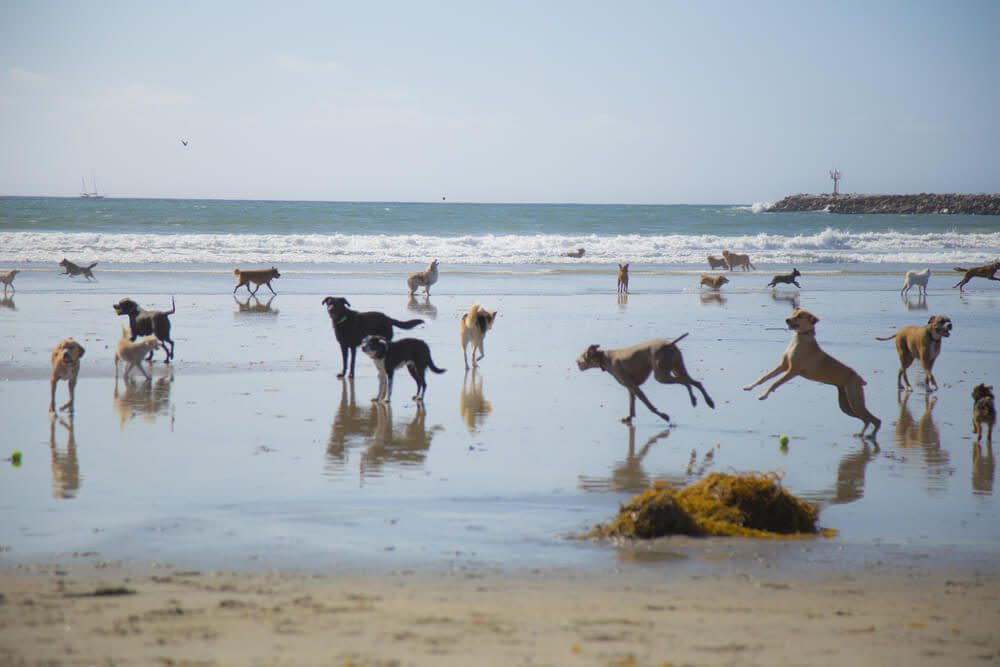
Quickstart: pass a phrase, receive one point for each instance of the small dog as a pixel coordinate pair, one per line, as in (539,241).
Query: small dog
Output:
(77,270)
(351,327)
(923,343)
(987,271)
(984,412)
(632,366)
(715,282)
(258,277)
(390,355)
(918,278)
(804,357)
(576,254)
(132,354)
(717,262)
(472,329)
(734,259)
(65,366)
(7,278)
(424,278)
(788,279)
(146,322)
(623,278)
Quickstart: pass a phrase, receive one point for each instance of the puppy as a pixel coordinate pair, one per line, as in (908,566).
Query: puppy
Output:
(132,354)
(804,357)
(65,366)
(734,259)
(923,343)
(390,355)
(258,277)
(7,278)
(984,412)
(424,278)
(632,366)
(918,278)
(623,278)
(987,271)
(146,322)
(717,262)
(788,279)
(351,327)
(472,329)
(576,254)
(715,282)
(72,269)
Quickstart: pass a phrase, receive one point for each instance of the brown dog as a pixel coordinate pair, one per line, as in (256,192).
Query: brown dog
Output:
(984,412)
(717,262)
(715,282)
(631,366)
(735,259)
(623,278)
(987,271)
(804,357)
(256,276)
(7,278)
(65,366)
(923,343)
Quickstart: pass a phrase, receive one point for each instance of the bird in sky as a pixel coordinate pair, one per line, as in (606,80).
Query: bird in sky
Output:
(184,141)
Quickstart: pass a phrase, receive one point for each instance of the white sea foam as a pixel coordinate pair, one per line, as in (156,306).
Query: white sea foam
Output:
(760,206)
(828,246)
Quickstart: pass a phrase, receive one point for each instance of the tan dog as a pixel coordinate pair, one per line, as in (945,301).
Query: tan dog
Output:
(631,366)
(804,357)
(7,278)
(735,259)
(472,329)
(923,343)
(65,366)
(132,354)
(987,271)
(256,276)
(424,279)
(717,262)
(715,282)
(623,278)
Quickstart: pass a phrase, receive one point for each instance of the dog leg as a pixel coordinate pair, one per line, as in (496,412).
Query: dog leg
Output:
(72,395)
(465,356)
(52,399)
(271,288)
(780,381)
(482,349)
(782,367)
(143,371)
(642,397)
(343,367)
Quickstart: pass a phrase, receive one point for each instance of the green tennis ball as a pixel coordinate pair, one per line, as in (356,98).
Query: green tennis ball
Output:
(15,458)
(783,441)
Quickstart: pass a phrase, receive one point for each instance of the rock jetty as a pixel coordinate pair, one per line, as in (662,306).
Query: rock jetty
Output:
(980,204)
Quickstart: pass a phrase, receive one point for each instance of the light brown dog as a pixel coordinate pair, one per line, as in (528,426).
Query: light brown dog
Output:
(472,329)
(132,354)
(715,282)
(424,279)
(623,278)
(65,366)
(256,276)
(804,357)
(987,271)
(717,262)
(923,343)
(735,259)
(7,278)
(631,366)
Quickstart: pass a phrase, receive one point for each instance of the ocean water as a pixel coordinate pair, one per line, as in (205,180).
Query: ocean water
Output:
(38,230)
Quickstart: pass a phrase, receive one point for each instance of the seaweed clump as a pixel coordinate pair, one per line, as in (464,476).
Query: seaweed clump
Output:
(747,505)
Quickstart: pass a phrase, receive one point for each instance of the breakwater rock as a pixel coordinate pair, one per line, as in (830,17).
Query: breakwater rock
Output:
(979,204)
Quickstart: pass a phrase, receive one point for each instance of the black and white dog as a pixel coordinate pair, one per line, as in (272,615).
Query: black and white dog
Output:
(390,355)
(788,279)
(149,323)
(350,327)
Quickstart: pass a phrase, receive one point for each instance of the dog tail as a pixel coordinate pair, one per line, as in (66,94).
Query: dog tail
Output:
(408,324)
(430,365)
(236,272)
(473,313)
(885,338)
(173,307)
(679,338)
(91,266)
(960,269)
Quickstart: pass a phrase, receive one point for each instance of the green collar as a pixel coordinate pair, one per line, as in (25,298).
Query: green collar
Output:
(342,319)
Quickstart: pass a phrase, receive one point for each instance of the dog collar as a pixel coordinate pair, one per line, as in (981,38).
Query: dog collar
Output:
(343,318)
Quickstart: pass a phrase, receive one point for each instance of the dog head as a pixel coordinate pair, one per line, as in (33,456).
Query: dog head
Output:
(939,326)
(150,343)
(11,274)
(982,391)
(274,273)
(70,351)
(486,318)
(432,266)
(726,253)
(375,347)
(65,262)
(795,272)
(336,305)
(126,307)
(592,357)
(802,321)
(623,269)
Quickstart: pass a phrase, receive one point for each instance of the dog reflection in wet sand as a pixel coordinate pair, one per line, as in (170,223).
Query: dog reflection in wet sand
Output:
(472,404)
(144,399)
(65,466)
(628,476)
(253,305)
(422,306)
(922,434)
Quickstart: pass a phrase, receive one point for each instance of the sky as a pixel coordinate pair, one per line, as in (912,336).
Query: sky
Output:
(592,102)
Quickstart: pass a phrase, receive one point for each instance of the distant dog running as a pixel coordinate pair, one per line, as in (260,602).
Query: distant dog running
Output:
(987,271)
(984,412)
(920,342)
(576,254)
(132,354)
(717,262)
(351,327)
(472,329)
(72,269)
(715,282)
(623,278)
(7,278)
(256,276)
(424,279)
(390,355)
(787,279)
(149,322)
(735,259)
(918,278)
(65,366)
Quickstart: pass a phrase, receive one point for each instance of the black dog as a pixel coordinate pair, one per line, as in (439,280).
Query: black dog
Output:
(351,327)
(388,356)
(788,279)
(149,322)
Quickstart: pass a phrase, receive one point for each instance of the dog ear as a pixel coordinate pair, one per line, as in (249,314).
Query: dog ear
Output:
(813,318)
(346,302)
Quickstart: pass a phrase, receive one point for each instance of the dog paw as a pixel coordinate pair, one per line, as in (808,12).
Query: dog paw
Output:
(748,387)
(763,397)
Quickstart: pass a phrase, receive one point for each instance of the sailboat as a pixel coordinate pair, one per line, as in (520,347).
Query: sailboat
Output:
(93,194)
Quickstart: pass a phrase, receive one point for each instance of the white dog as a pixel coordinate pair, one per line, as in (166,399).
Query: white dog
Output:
(918,278)
(132,354)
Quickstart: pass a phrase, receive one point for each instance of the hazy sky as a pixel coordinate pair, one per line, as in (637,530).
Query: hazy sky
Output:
(636,102)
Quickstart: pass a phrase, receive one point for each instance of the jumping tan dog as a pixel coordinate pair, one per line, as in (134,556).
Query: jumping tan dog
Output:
(631,366)
(7,278)
(65,366)
(132,354)
(424,279)
(804,357)
(256,276)
(472,329)
(715,282)
(717,262)
(623,278)
(987,271)
(923,343)
(735,259)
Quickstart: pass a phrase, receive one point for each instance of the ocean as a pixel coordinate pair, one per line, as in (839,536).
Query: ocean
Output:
(42,230)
